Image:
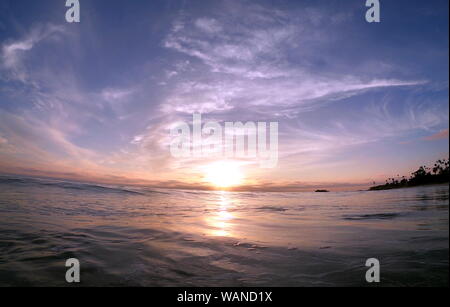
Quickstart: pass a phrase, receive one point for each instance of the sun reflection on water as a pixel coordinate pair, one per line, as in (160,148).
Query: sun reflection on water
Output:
(220,220)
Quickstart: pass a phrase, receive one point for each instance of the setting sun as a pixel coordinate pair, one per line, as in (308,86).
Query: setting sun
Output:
(223,174)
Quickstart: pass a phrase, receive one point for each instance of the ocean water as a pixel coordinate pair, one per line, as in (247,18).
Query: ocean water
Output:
(136,236)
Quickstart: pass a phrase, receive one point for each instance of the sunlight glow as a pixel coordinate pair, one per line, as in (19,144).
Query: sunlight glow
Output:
(223,174)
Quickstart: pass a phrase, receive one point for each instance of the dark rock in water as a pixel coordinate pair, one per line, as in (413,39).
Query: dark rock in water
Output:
(322,191)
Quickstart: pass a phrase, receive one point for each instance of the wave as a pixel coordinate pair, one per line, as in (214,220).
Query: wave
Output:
(271,208)
(69,185)
(377,216)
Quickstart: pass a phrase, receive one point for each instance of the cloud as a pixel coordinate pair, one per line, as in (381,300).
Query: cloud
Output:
(112,94)
(208,25)
(3,140)
(441,135)
(36,140)
(246,62)
(13,52)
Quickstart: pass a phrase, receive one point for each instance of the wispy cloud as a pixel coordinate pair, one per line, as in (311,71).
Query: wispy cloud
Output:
(249,66)
(13,53)
(443,134)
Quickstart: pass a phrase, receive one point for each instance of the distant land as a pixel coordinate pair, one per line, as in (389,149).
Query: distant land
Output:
(322,191)
(439,173)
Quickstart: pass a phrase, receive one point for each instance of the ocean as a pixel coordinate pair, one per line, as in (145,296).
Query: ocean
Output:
(138,236)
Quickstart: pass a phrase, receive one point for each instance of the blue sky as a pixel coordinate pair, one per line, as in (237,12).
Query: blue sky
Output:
(356,102)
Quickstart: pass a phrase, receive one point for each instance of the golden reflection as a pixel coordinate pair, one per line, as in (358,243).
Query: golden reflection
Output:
(220,219)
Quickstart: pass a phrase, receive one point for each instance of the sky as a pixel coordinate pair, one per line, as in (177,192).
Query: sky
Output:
(356,102)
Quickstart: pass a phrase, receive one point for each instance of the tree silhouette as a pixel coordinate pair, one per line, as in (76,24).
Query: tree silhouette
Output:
(424,175)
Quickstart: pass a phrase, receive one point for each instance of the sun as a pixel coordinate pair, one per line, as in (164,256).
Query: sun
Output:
(223,174)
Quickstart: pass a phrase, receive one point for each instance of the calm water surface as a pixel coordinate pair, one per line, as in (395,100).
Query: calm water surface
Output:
(128,236)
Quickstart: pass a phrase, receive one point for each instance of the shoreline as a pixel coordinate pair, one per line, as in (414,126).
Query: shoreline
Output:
(385,188)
